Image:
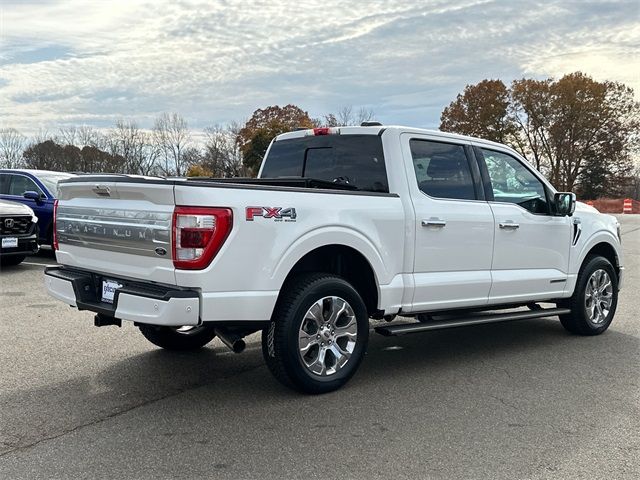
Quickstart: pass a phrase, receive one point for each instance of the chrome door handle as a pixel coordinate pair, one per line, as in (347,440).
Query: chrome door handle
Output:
(434,222)
(509,225)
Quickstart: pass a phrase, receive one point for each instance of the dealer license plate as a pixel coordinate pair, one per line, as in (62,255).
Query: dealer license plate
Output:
(9,242)
(109,288)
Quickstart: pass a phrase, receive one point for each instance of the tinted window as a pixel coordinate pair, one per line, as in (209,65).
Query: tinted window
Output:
(21,184)
(5,179)
(512,182)
(442,170)
(354,159)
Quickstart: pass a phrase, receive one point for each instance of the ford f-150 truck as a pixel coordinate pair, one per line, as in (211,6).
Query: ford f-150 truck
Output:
(342,225)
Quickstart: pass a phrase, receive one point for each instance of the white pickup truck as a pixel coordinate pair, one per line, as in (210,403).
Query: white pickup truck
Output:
(341,225)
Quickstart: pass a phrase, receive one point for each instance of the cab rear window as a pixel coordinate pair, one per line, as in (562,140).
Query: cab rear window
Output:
(356,160)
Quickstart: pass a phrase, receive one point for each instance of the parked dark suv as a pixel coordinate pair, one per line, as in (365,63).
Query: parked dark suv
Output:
(18,232)
(38,190)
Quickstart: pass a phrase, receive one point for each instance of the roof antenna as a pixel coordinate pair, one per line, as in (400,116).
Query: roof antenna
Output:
(370,124)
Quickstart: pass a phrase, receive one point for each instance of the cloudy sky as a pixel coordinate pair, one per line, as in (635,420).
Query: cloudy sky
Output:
(71,62)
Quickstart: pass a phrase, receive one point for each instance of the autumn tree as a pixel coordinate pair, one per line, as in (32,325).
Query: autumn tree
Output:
(49,155)
(171,135)
(581,133)
(633,188)
(95,160)
(480,111)
(256,135)
(197,170)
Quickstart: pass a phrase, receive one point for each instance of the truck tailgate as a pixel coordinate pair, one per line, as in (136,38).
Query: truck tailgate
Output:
(116,227)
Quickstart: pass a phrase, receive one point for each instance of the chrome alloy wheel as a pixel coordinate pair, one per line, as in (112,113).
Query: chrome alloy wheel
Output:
(598,296)
(327,336)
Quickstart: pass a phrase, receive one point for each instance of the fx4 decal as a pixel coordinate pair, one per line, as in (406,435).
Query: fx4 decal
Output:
(277,213)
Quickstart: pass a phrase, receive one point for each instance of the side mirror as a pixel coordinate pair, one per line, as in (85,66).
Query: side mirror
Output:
(565,203)
(32,195)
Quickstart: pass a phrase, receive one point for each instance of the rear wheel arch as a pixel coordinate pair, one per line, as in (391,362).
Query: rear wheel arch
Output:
(345,262)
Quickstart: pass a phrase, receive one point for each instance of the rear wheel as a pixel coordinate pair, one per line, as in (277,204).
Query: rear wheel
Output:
(178,338)
(12,260)
(594,300)
(318,334)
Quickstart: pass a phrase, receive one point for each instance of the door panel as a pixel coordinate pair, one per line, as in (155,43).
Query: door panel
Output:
(531,249)
(454,236)
(531,261)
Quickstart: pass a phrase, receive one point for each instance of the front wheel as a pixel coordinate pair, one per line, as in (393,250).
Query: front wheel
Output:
(318,334)
(594,300)
(178,338)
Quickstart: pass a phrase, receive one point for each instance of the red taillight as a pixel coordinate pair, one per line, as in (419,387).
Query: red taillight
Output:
(197,235)
(55,227)
(321,131)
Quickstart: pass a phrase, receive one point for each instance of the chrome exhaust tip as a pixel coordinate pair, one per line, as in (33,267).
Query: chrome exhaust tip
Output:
(231,340)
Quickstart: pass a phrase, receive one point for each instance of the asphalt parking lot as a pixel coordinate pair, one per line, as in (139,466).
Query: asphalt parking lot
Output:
(513,400)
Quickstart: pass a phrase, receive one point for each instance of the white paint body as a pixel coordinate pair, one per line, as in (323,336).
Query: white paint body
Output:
(469,262)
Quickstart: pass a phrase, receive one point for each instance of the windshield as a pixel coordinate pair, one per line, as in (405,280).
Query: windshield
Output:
(50,180)
(355,160)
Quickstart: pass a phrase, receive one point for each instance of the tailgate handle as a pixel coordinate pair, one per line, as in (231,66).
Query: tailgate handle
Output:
(102,190)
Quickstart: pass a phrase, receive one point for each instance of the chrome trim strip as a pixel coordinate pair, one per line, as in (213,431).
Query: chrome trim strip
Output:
(117,230)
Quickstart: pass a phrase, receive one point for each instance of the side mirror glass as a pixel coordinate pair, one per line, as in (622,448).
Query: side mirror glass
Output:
(565,203)
(32,195)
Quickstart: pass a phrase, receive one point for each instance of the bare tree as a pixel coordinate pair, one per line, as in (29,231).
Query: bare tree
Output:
(82,136)
(12,144)
(136,146)
(222,155)
(347,116)
(42,135)
(90,137)
(171,135)
(68,136)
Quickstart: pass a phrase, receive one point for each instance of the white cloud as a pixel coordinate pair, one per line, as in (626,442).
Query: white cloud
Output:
(66,62)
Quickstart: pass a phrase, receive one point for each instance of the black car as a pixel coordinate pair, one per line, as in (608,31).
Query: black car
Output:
(18,232)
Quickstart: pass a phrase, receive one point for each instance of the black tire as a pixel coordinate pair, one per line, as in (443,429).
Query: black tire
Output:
(171,338)
(12,260)
(579,320)
(280,346)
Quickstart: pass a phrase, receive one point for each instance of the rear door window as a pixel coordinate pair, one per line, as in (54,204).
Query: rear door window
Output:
(356,160)
(442,170)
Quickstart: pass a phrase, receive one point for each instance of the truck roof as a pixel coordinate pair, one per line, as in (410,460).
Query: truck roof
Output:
(379,129)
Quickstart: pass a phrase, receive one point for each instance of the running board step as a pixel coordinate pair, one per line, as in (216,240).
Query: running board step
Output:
(475,319)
